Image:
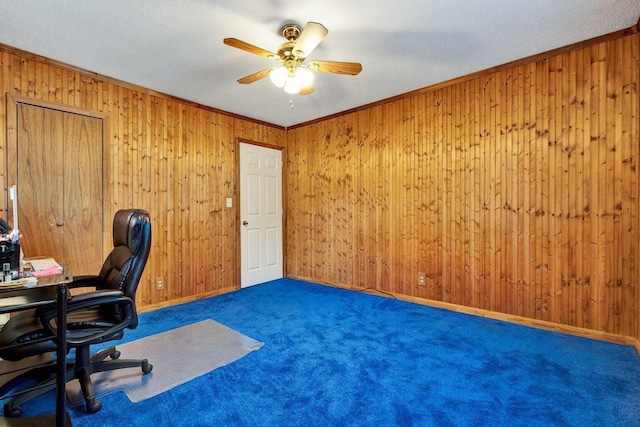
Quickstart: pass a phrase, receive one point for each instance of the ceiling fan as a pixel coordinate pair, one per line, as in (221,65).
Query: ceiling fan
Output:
(293,75)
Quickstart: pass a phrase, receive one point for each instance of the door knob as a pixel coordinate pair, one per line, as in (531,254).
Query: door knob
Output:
(59,223)
(245,223)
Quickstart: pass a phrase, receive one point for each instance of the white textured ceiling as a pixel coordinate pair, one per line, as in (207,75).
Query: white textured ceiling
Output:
(175,46)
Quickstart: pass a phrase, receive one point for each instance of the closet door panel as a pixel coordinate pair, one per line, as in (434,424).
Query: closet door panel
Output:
(40,183)
(83,193)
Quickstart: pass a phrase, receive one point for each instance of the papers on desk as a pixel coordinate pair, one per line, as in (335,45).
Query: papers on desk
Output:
(25,282)
(51,271)
(39,264)
(45,267)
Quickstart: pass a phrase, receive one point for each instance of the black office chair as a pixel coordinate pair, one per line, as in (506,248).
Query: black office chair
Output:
(94,317)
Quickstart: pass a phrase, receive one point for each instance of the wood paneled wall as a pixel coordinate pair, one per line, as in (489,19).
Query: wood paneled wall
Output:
(172,158)
(515,192)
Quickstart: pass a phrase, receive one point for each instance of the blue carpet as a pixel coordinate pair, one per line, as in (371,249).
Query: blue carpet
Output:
(334,357)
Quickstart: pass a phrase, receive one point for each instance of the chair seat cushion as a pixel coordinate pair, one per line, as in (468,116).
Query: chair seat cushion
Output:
(24,328)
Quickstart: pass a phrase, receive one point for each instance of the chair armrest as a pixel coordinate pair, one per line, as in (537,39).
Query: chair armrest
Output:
(84,301)
(85,281)
(97,297)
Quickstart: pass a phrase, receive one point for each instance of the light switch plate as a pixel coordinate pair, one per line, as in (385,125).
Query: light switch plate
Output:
(229,202)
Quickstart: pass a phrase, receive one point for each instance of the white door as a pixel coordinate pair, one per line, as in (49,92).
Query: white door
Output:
(260,214)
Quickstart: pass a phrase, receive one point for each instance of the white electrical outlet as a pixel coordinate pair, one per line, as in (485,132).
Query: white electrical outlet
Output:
(422,279)
(159,284)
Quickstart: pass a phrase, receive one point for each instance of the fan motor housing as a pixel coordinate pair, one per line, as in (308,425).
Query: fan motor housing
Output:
(285,51)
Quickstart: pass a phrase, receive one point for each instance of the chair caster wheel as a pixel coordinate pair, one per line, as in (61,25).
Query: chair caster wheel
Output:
(115,355)
(12,412)
(93,406)
(146,367)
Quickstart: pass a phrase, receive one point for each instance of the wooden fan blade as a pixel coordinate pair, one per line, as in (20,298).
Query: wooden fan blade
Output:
(239,44)
(311,36)
(351,68)
(306,90)
(255,76)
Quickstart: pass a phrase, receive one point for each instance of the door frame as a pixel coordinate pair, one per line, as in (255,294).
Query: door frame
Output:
(238,198)
(10,145)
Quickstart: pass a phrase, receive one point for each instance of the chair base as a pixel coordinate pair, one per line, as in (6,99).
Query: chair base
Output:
(81,370)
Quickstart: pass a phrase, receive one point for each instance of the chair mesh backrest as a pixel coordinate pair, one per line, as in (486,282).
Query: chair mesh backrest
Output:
(131,244)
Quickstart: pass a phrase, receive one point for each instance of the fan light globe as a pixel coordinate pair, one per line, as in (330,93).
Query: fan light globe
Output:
(291,85)
(278,76)
(305,77)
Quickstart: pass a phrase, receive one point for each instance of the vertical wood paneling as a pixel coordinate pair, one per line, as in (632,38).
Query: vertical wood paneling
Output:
(173,159)
(482,269)
(515,192)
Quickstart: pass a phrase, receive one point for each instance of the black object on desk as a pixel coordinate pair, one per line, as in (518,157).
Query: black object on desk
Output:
(4,226)
(10,254)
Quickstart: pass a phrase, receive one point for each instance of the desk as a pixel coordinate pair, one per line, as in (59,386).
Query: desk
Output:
(48,290)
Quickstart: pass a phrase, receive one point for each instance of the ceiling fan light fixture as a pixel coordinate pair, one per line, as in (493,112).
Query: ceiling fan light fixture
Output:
(291,54)
(278,76)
